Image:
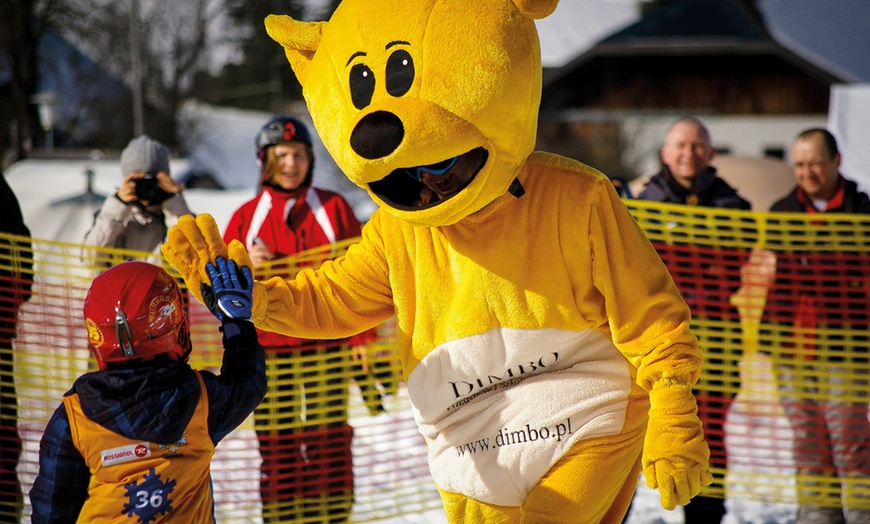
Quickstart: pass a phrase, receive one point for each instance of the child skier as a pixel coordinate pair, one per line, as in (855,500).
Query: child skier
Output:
(135,439)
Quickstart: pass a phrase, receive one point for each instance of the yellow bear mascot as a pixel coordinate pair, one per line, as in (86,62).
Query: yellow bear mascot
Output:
(546,350)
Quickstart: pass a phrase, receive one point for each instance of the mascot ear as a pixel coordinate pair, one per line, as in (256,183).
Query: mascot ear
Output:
(299,39)
(536,9)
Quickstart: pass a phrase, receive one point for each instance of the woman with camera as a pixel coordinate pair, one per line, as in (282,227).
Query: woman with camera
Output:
(147,204)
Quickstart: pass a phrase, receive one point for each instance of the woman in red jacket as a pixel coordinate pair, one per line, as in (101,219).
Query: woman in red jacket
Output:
(302,423)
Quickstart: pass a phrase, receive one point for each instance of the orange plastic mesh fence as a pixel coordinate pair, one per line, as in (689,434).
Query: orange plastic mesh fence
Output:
(780,305)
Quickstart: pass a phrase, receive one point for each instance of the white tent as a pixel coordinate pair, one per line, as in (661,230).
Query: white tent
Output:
(849,121)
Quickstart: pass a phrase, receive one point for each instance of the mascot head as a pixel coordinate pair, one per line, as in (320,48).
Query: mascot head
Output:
(429,105)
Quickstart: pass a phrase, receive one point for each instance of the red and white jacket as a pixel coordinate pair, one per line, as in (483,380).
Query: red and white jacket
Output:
(289,222)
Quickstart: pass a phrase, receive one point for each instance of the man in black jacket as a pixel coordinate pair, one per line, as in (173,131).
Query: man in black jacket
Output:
(686,177)
(16,277)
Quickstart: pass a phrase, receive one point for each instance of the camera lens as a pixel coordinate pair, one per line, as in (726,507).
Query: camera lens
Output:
(146,189)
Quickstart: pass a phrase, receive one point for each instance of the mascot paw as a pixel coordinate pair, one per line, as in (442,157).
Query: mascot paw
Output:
(676,481)
(192,244)
(676,457)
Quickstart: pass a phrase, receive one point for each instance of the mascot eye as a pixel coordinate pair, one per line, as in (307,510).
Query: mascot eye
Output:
(400,73)
(362,85)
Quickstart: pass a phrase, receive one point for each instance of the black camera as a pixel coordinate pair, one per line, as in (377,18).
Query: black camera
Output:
(148,190)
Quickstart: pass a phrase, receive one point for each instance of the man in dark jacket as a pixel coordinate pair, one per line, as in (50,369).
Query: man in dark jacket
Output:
(686,177)
(820,186)
(16,278)
(821,299)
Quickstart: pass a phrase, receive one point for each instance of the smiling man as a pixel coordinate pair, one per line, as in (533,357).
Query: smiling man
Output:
(825,296)
(686,176)
(445,179)
(820,186)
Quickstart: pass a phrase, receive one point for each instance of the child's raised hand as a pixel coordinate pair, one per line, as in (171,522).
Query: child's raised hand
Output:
(230,294)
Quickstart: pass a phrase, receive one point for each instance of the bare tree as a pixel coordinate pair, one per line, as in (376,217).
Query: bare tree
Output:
(22,23)
(184,49)
(262,79)
(175,41)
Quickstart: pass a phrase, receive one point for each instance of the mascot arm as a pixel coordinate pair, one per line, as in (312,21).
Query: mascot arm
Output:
(649,321)
(343,297)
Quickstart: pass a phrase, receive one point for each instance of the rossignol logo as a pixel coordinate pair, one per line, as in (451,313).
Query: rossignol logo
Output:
(125,453)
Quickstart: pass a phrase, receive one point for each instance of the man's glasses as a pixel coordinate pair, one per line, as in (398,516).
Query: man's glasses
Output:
(437,169)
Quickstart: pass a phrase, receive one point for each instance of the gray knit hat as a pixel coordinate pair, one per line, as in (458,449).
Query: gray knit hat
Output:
(144,154)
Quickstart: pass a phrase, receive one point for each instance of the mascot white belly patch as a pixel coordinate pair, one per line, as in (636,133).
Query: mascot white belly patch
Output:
(499,409)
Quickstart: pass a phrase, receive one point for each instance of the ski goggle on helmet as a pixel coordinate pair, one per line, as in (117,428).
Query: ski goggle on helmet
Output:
(135,311)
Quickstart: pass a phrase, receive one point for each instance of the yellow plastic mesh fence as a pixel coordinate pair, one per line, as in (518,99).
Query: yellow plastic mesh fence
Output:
(316,395)
(780,305)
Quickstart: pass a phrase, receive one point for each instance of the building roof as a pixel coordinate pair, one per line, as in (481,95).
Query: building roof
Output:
(831,34)
(693,22)
(85,95)
(828,37)
(694,28)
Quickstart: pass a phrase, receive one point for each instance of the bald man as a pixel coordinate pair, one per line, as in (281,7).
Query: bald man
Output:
(686,177)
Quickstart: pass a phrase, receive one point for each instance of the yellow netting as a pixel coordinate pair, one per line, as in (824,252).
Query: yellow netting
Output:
(389,456)
(780,305)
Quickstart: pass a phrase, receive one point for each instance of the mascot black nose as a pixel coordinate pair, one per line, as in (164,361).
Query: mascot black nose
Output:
(377,135)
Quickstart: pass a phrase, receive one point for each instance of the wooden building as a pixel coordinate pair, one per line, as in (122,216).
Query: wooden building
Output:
(709,58)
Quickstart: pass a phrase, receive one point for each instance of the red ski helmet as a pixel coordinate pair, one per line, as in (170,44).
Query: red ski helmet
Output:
(135,310)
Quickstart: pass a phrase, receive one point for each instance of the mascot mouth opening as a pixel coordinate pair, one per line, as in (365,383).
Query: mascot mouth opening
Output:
(422,187)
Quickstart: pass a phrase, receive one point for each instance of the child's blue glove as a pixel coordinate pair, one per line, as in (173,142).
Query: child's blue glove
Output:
(230,294)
